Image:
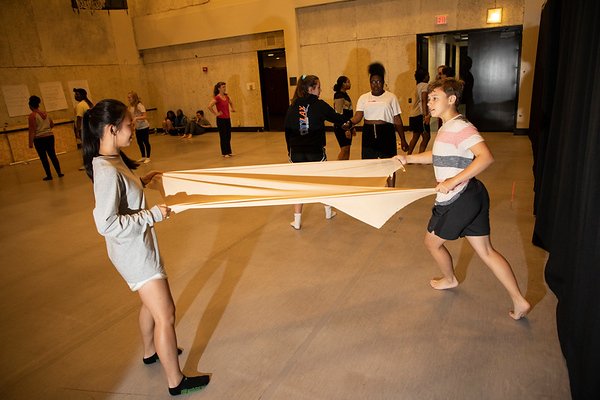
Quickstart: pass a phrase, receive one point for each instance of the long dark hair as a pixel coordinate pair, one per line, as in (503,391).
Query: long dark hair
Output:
(105,112)
(340,82)
(83,93)
(88,101)
(305,82)
(217,86)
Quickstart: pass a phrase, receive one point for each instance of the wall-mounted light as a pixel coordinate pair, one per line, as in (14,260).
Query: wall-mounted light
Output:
(494,15)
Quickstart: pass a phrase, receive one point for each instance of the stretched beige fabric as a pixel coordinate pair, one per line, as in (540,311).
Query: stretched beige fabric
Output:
(355,187)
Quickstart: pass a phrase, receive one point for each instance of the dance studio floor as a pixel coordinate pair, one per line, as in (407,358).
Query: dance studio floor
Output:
(337,310)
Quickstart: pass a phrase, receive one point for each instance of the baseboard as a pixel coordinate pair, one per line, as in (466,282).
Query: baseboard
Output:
(214,129)
(359,128)
(521,131)
(262,128)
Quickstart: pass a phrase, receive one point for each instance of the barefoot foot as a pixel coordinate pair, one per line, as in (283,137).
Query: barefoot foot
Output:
(443,283)
(520,310)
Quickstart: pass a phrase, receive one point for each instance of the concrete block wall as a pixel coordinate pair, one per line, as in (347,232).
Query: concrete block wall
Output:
(344,38)
(45,41)
(176,79)
(14,146)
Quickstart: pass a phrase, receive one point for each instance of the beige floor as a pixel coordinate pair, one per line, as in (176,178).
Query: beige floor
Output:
(338,310)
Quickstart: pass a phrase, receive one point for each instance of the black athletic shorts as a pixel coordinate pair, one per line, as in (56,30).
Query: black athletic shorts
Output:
(417,124)
(340,135)
(378,141)
(469,215)
(307,156)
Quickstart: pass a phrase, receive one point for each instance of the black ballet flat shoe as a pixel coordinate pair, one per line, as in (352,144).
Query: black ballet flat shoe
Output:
(190,384)
(154,357)
(47,178)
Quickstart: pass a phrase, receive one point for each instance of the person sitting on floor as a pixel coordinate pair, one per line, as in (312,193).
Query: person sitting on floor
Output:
(168,124)
(180,121)
(196,126)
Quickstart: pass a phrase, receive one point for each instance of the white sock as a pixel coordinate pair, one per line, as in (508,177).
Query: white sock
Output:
(329,213)
(297,220)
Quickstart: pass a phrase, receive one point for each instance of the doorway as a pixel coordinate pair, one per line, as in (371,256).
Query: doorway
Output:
(495,57)
(273,83)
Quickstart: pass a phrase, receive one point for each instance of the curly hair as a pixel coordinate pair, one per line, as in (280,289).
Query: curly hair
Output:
(378,69)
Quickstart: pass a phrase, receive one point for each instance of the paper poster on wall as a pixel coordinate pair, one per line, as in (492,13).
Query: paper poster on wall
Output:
(16,98)
(53,96)
(78,84)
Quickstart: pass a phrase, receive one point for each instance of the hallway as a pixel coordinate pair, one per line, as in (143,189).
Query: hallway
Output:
(337,310)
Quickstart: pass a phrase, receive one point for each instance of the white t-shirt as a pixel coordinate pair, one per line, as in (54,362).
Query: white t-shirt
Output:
(383,107)
(136,112)
(417,109)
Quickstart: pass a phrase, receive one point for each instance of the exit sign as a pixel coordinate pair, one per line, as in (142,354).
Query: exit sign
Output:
(441,19)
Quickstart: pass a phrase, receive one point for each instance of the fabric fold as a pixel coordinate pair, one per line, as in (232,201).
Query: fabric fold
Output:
(355,187)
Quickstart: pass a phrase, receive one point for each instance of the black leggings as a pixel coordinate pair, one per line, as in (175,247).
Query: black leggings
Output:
(224,125)
(143,140)
(45,148)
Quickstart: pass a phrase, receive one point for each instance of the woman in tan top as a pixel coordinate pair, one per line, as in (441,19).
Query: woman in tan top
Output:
(41,136)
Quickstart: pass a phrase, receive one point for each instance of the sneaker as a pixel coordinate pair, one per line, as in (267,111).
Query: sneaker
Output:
(82,168)
(61,175)
(141,160)
(227,155)
(190,384)
(47,178)
(146,161)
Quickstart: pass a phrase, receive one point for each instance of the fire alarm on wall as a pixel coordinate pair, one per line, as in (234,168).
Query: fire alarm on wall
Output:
(204,69)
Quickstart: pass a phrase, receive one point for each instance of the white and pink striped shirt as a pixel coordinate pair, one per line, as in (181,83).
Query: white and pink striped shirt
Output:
(451,154)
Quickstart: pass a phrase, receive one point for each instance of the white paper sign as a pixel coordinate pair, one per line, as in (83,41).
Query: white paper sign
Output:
(53,96)
(83,84)
(16,98)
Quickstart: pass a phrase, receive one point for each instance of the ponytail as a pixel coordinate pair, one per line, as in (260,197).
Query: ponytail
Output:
(340,81)
(90,145)
(217,86)
(305,82)
(105,112)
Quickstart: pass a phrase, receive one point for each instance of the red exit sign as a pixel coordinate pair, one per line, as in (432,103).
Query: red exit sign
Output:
(441,19)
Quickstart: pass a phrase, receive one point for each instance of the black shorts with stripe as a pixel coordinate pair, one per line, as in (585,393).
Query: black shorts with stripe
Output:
(378,141)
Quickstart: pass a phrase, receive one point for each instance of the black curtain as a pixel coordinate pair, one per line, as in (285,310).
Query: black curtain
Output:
(565,134)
